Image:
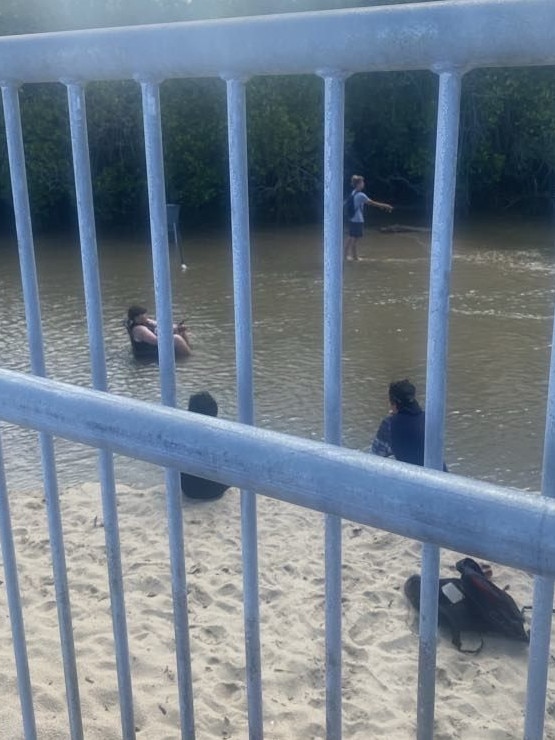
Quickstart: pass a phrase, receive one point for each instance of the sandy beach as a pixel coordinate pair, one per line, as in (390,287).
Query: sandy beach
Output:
(478,696)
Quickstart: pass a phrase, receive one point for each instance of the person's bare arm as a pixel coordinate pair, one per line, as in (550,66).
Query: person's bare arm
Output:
(142,333)
(381,206)
(182,348)
(182,330)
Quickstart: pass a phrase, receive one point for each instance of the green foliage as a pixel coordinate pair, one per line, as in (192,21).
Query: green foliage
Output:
(390,119)
(286,135)
(195,141)
(507,129)
(508,138)
(47,151)
(117,152)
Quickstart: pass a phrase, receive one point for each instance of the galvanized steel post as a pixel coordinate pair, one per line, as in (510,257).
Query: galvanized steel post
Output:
(20,194)
(240,238)
(16,613)
(436,380)
(540,633)
(334,112)
(93,300)
(538,659)
(162,285)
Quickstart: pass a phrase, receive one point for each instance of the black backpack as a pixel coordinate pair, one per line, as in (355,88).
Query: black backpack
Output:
(472,603)
(495,607)
(454,611)
(349,206)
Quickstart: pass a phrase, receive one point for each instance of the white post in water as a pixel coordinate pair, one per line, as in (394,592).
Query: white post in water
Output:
(172,217)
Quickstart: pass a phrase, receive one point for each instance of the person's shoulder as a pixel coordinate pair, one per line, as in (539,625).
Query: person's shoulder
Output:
(139,331)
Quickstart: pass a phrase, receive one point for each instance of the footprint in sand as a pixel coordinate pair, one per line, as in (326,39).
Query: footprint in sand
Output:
(214,634)
(225,690)
(357,653)
(33,505)
(199,596)
(362,630)
(151,584)
(267,595)
(227,607)
(48,606)
(230,589)
(49,702)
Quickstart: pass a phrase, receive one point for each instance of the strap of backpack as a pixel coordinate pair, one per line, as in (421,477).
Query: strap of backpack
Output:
(457,642)
(475,651)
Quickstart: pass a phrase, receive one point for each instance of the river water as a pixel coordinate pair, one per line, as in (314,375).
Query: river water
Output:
(500,334)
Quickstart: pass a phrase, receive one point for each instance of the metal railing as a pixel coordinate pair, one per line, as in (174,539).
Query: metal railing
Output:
(517,529)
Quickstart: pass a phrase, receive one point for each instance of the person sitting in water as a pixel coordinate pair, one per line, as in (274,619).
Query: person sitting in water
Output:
(144,339)
(191,485)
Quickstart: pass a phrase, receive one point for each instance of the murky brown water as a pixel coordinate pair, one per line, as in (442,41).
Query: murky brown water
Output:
(502,304)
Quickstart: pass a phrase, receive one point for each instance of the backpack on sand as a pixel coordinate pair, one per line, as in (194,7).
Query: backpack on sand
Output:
(349,206)
(472,603)
(496,608)
(454,612)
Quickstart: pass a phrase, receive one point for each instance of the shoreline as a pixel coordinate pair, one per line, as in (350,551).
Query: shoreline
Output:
(477,696)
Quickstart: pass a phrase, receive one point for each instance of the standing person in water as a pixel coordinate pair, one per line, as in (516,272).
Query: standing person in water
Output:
(356,221)
(142,332)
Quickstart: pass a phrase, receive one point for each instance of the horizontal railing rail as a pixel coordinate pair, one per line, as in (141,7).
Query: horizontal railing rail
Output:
(508,526)
(461,33)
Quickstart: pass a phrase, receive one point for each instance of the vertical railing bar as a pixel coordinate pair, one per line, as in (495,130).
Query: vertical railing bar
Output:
(93,300)
(240,238)
(540,633)
(87,231)
(20,196)
(162,285)
(14,605)
(538,660)
(159,237)
(436,377)
(334,110)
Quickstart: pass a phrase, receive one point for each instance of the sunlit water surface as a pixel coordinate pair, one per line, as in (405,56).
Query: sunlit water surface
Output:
(500,334)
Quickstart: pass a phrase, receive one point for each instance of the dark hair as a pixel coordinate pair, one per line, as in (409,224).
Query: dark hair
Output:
(402,393)
(203,403)
(134,311)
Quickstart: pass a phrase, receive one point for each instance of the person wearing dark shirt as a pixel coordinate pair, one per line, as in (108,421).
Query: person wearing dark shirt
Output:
(191,485)
(144,338)
(401,433)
